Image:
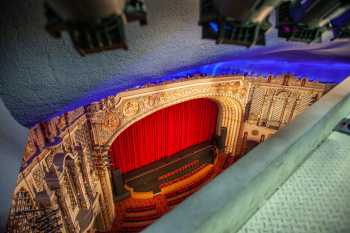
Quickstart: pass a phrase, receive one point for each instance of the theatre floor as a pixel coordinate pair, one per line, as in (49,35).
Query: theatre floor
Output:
(315,199)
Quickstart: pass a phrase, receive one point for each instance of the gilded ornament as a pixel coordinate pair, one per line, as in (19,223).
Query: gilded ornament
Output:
(131,108)
(29,150)
(242,92)
(38,176)
(49,159)
(152,100)
(255,132)
(111,120)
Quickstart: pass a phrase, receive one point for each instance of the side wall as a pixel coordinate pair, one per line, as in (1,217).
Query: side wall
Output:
(13,138)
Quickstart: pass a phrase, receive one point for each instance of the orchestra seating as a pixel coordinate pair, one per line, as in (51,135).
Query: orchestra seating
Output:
(167,171)
(186,174)
(175,197)
(135,213)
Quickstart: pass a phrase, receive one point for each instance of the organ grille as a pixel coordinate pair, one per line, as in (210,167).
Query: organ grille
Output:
(275,108)
(256,104)
(68,184)
(82,136)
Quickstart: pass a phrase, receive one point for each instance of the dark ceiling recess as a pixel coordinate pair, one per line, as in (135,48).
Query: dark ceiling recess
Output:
(341,26)
(307,20)
(245,23)
(94,25)
(236,22)
(99,25)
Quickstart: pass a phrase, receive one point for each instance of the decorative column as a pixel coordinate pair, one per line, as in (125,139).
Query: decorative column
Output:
(76,172)
(103,173)
(55,183)
(86,172)
(95,114)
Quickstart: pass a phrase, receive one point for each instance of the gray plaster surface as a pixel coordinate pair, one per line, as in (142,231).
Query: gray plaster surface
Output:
(315,199)
(13,137)
(41,77)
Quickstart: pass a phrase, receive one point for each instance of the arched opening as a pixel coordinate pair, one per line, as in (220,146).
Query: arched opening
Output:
(164,133)
(165,156)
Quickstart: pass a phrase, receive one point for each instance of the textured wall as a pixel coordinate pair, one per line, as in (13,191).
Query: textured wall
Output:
(12,140)
(42,76)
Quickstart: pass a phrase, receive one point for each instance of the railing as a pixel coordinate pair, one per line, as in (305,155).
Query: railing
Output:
(227,202)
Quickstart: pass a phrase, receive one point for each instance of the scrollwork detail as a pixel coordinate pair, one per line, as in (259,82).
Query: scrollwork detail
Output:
(131,108)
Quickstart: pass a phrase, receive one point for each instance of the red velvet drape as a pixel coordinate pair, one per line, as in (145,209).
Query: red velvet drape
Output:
(164,133)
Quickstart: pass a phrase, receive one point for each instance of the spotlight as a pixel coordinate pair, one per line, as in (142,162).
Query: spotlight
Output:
(93,25)
(135,10)
(231,22)
(306,21)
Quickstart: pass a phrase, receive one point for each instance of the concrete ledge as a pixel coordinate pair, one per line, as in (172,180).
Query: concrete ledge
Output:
(230,199)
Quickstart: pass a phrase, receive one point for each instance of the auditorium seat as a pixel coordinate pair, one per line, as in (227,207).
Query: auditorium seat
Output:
(140,213)
(135,214)
(132,227)
(184,176)
(140,208)
(190,166)
(175,197)
(141,218)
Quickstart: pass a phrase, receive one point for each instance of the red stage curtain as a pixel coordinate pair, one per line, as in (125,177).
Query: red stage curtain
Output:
(164,133)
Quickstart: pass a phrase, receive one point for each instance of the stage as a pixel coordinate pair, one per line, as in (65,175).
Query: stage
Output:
(154,176)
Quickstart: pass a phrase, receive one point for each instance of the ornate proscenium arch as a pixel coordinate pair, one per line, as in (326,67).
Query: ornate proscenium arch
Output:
(117,113)
(238,97)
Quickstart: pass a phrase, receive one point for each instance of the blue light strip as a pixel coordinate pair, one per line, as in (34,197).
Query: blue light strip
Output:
(322,71)
(316,64)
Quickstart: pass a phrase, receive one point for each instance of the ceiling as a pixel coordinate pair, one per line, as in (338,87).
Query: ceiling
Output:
(42,77)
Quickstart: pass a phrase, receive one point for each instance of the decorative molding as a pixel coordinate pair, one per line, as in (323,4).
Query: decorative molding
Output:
(230,94)
(38,177)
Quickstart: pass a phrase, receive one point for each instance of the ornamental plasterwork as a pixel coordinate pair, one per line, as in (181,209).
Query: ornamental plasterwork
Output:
(135,106)
(29,149)
(131,108)
(38,176)
(61,122)
(152,100)
(111,120)
(49,159)
(114,113)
